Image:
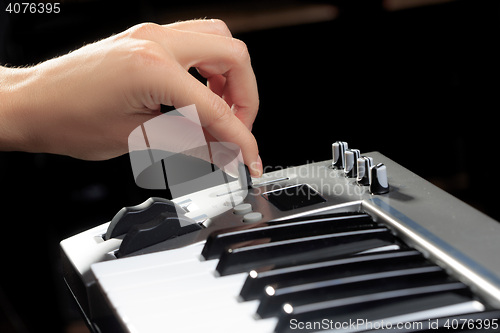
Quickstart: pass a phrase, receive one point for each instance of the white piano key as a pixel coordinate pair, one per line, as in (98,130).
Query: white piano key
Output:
(166,274)
(192,286)
(172,288)
(184,292)
(223,323)
(149,261)
(127,272)
(201,313)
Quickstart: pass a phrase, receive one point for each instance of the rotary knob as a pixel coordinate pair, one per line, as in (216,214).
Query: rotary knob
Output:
(364,164)
(378,179)
(351,158)
(338,151)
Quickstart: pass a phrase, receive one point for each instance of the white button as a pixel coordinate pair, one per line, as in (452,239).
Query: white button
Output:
(252,217)
(242,209)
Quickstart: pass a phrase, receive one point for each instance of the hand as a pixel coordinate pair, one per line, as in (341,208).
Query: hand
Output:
(86,103)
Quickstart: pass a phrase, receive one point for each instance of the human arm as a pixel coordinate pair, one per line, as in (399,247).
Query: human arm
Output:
(86,103)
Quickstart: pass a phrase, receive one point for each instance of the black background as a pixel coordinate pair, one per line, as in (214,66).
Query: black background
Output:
(419,85)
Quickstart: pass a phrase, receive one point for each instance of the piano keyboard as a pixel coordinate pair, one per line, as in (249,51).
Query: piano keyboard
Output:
(322,270)
(411,260)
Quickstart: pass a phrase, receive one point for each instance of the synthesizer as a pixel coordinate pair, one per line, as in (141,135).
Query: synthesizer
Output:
(356,243)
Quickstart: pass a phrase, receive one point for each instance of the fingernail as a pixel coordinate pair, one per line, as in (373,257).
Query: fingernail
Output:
(256,168)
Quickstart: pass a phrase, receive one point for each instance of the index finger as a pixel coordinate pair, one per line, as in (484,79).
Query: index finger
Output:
(214,54)
(218,82)
(223,57)
(215,116)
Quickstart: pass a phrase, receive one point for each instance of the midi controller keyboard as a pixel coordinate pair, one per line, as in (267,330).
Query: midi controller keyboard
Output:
(356,243)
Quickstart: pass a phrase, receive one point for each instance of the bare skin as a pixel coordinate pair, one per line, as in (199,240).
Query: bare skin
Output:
(86,103)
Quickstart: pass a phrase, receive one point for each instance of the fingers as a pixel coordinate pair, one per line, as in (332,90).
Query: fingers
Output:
(225,63)
(216,117)
(223,60)
(216,83)
(228,111)
(212,26)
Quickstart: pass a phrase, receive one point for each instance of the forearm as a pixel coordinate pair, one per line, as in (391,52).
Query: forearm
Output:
(37,108)
(14,110)
(66,105)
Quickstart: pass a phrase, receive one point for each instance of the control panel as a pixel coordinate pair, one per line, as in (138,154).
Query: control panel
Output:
(158,220)
(413,209)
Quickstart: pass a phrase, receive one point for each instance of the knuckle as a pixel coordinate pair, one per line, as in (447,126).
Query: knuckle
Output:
(240,51)
(219,109)
(221,26)
(143,29)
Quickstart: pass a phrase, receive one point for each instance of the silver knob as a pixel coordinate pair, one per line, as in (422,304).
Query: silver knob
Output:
(350,167)
(364,164)
(338,152)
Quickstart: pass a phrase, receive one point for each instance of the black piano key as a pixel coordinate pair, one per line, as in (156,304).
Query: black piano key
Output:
(337,309)
(408,311)
(296,251)
(413,309)
(355,265)
(333,216)
(285,229)
(350,286)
